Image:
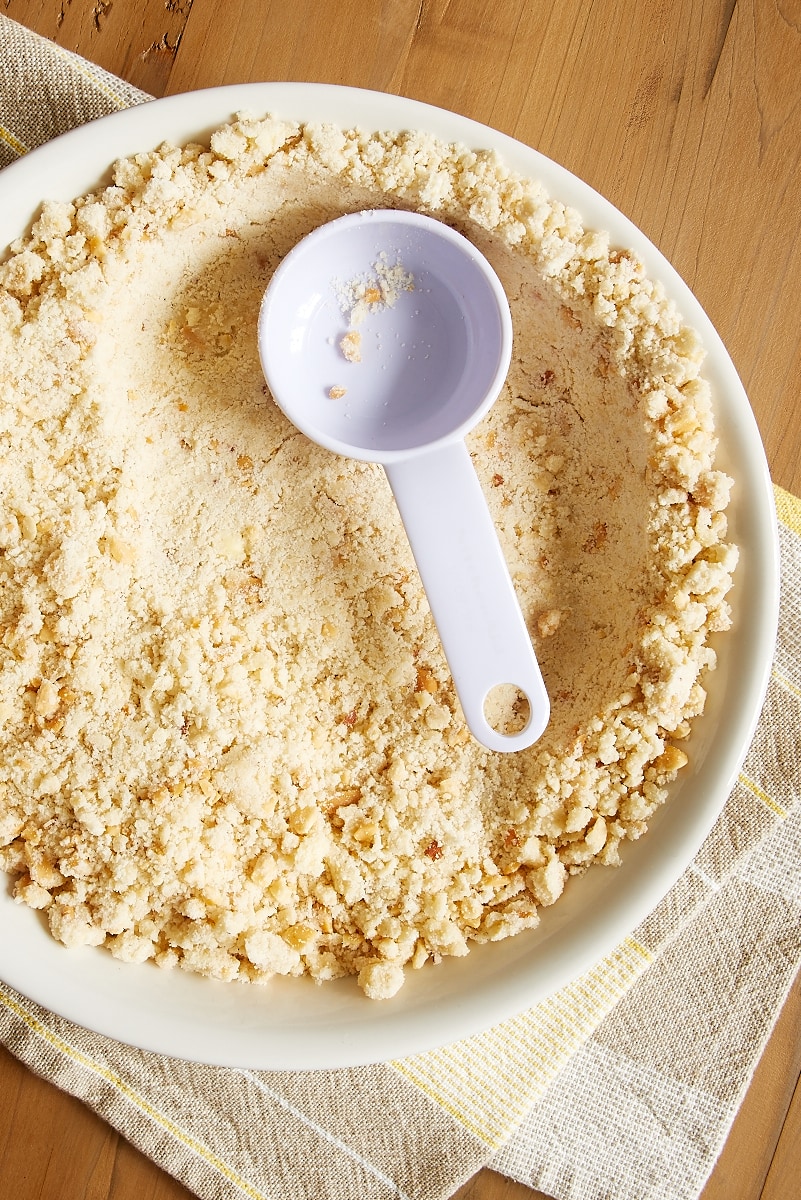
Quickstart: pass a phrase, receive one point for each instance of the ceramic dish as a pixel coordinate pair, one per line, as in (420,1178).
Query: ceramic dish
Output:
(294,1023)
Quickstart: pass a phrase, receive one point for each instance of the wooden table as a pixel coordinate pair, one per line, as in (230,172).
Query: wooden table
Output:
(688,118)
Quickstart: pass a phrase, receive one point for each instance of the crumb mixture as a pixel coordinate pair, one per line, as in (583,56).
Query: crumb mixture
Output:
(373,291)
(228,737)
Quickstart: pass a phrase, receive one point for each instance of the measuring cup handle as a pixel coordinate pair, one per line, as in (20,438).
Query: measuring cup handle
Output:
(469,588)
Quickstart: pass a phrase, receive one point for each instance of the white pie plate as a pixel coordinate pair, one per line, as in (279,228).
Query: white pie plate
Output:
(296,1024)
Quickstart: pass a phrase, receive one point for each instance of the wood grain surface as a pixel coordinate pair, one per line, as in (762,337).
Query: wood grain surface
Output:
(687,116)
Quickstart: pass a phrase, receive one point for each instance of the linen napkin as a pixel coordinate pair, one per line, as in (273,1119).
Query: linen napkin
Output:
(623,1084)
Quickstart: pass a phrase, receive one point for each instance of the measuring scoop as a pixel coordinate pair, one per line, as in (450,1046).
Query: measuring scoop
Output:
(385,336)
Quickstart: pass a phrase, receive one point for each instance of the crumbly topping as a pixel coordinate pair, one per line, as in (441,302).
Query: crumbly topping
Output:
(228,737)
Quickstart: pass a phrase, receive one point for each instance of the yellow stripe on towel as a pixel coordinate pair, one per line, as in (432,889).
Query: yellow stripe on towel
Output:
(488,1082)
(12,142)
(786,684)
(166,1123)
(788,509)
(762,795)
(104,82)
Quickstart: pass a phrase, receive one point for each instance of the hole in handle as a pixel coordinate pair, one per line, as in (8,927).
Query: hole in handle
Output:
(507,709)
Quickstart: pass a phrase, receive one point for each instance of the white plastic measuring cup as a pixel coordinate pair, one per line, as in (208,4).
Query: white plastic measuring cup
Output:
(385,336)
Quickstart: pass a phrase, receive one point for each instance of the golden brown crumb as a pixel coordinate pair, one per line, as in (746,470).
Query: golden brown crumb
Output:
(548,622)
(351,346)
